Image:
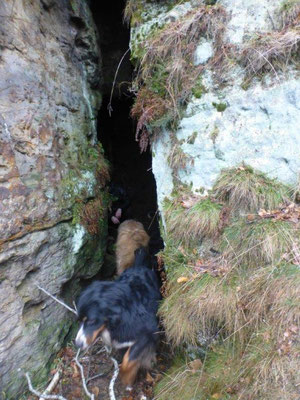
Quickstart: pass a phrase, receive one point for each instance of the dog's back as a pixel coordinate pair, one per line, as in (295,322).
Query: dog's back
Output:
(131,236)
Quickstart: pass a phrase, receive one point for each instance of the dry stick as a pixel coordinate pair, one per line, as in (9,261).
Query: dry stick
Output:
(51,385)
(91,396)
(40,395)
(109,107)
(113,379)
(54,298)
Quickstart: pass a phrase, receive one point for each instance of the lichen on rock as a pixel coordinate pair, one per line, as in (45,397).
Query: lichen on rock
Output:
(50,161)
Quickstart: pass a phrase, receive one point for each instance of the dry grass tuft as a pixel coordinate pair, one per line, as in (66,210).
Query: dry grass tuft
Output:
(129,10)
(91,214)
(178,159)
(272,52)
(192,224)
(245,311)
(289,13)
(258,318)
(260,242)
(296,194)
(247,190)
(166,74)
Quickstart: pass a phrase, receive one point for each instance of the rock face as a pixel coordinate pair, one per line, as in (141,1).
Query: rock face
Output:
(230,121)
(49,97)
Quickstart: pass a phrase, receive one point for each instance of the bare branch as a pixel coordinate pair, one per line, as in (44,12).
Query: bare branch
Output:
(94,377)
(113,379)
(58,301)
(91,396)
(52,384)
(40,395)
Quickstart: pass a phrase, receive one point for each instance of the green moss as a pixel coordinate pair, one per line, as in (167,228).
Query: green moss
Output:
(191,139)
(210,2)
(288,5)
(199,89)
(158,80)
(220,107)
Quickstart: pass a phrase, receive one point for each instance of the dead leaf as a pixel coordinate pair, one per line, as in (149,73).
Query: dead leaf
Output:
(195,365)
(76,372)
(216,396)
(294,328)
(182,279)
(95,390)
(76,392)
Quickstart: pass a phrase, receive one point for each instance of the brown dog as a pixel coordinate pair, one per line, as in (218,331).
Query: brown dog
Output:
(131,236)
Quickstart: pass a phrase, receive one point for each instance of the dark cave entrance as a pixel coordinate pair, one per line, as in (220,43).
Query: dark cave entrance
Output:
(132,180)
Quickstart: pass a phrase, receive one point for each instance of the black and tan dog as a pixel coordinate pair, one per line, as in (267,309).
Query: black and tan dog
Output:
(123,312)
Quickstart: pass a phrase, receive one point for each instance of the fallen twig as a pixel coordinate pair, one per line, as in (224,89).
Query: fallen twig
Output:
(54,298)
(109,107)
(41,395)
(113,379)
(91,396)
(94,377)
(51,385)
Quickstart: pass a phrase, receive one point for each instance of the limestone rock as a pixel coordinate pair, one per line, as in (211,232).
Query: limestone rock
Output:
(49,97)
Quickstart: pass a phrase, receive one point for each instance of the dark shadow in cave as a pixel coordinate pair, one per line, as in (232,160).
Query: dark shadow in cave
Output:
(132,179)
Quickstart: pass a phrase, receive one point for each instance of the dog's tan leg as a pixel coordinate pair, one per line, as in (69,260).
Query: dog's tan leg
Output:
(128,370)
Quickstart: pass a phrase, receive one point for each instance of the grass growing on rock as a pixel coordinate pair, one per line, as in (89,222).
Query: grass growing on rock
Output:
(289,12)
(248,190)
(274,51)
(243,306)
(191,224)
(257,316)
(259,242)
(166,73)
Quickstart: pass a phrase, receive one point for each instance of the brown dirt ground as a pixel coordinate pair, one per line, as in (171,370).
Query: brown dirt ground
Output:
(97,361)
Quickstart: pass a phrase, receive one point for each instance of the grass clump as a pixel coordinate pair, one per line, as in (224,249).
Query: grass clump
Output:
(273,52)
(193,297)
(260,242)
(289,12)
(248,190)
(257,316)
(178,159)
(198,90)
(192,224)
(220,107)
(166,75)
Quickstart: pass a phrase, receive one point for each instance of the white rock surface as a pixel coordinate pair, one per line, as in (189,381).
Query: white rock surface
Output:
(259,126)
(204,52)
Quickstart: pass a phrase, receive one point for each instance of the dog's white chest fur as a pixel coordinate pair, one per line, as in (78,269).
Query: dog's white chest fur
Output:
(117,345)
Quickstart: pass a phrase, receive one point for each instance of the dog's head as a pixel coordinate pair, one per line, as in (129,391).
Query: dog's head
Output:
(92,313)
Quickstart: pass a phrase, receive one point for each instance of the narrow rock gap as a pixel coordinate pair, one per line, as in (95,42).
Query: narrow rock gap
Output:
(132,180)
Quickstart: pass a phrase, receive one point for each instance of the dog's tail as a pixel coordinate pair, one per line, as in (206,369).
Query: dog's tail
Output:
(141,258)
